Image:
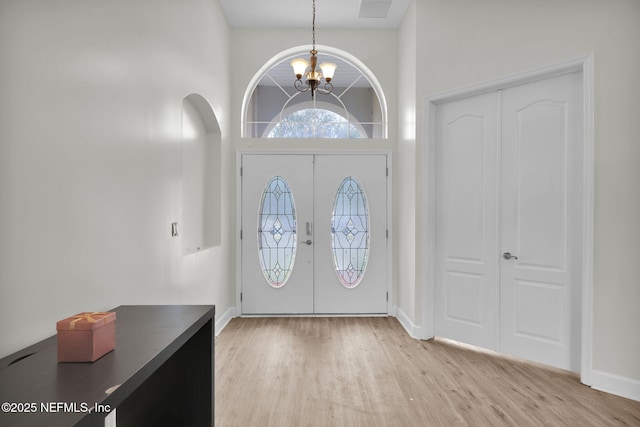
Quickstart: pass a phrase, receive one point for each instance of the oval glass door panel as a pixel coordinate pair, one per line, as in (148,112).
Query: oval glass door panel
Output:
(350,233)
(277,232)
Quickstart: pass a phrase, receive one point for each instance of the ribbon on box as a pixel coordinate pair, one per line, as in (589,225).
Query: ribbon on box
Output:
(88,316)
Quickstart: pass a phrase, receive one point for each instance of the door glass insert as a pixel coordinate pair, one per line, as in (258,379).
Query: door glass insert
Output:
(350,232)
(277,232)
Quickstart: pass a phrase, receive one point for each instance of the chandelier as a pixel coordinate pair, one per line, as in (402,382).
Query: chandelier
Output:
(313,76)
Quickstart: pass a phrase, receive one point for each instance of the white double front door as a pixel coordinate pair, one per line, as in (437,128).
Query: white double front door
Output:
(314,234)
(508,222)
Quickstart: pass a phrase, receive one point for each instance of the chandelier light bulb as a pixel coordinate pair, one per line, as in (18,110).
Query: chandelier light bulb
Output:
(299,66)
(328,70)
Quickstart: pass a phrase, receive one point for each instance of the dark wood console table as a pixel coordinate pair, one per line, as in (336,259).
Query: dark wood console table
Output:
(163,363)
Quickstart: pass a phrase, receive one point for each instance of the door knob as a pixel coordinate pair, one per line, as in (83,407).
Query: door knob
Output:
(507,255)
(307,242)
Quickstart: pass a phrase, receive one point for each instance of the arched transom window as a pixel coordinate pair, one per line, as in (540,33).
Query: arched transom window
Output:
(274,108)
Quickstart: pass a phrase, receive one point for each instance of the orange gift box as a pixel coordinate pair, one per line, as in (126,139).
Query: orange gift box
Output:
(86,337)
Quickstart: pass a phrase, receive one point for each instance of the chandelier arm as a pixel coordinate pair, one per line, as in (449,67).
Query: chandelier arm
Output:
(326,89)
(300,86)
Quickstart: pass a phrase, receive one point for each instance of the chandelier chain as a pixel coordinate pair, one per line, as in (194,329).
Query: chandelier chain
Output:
(300,67)
(314,25)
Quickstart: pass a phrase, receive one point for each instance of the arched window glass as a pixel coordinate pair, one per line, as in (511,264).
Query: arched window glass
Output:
(274,108)
(315,123)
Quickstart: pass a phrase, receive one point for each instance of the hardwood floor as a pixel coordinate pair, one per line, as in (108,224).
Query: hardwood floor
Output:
(369,372)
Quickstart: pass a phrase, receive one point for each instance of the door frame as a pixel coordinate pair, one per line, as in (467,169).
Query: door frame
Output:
(427,204)
(238,217)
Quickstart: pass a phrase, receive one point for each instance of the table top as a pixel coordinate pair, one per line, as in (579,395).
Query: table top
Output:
(62,393)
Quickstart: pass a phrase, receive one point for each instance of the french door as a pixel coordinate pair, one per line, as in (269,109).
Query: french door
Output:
(508,253)
(314,234)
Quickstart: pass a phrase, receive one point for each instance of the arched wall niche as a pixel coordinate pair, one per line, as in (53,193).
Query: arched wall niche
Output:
(200,226)
(270,93)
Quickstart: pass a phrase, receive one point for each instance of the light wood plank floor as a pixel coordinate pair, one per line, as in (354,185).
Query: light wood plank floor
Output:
(369,372)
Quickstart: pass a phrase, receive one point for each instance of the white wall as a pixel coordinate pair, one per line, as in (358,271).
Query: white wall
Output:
(405,221)
(90,157)
(466,41)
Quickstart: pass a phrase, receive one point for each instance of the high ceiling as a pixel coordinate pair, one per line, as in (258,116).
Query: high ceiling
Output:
(329,13)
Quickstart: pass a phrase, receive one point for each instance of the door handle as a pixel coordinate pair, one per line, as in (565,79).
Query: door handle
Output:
(507,255)
(307,242)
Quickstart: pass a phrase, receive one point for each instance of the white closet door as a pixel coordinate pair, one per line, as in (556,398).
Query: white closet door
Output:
(508,209)
(466,221)
(540,121)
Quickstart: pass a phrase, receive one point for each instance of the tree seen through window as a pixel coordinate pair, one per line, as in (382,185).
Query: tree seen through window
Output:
(314,123)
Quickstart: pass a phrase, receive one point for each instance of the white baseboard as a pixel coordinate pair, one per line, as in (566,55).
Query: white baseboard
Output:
(615,384)
(412,329)
(224,319)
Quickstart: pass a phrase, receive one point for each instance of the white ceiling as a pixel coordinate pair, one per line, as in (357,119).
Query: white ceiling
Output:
(329,13)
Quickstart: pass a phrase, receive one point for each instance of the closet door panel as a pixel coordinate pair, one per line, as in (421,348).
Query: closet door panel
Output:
(540,135)
(466,233)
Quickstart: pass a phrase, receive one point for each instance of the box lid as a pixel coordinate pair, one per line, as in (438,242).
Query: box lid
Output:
(86,321)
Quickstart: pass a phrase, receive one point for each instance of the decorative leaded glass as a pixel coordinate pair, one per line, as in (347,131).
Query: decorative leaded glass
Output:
(350,232)
(277,232)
